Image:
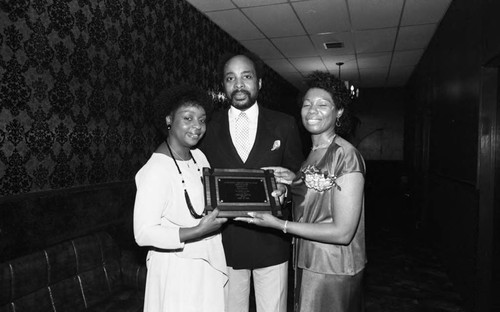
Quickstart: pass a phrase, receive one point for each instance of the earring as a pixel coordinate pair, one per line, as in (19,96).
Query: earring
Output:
(337,122)
(169,127)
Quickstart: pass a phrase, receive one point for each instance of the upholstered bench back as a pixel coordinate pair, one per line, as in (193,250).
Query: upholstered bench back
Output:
(70,276)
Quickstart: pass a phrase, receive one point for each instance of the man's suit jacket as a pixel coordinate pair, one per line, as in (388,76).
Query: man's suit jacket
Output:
(248,246)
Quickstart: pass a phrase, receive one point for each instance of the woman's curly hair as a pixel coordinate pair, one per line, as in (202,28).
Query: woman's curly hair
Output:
(170,99)
(341,99)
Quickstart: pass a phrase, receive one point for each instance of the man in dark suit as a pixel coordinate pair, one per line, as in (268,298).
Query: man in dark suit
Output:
(258,138)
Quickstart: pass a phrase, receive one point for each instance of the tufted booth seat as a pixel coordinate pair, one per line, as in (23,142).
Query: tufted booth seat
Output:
(89,273)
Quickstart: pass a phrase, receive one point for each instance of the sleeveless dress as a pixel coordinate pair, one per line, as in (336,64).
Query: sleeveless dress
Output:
(328,276)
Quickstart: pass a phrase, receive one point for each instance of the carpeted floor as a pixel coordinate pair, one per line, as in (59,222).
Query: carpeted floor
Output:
(403,275)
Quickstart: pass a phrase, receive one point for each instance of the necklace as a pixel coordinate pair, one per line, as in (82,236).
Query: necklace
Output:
(175,153)
(186,195)
(316,147)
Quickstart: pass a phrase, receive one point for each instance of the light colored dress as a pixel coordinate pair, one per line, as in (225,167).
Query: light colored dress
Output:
(329,276)
(181,277)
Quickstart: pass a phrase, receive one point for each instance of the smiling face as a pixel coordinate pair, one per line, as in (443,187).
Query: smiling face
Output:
(319,112)
(240,82)
(188,124)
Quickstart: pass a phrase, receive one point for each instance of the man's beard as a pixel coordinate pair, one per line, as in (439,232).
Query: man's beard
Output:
(243,105)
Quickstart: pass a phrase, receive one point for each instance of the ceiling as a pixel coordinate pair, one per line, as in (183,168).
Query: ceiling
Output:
(381,41)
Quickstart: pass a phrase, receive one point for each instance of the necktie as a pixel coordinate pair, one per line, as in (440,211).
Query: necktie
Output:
(241,139)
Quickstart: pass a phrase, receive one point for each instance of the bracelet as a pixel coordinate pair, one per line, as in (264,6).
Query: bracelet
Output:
(284,226)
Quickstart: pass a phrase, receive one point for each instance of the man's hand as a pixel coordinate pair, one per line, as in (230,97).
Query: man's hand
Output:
(282,175)
(280,192)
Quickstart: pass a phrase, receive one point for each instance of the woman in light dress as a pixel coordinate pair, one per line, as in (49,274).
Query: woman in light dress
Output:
(186,263)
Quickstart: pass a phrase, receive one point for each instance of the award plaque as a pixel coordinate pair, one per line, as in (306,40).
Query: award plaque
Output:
(235,192)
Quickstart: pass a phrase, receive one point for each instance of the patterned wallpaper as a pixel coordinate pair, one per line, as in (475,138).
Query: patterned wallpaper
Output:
(77,78)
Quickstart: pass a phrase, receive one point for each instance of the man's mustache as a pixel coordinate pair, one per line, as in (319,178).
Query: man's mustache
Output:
(240,91)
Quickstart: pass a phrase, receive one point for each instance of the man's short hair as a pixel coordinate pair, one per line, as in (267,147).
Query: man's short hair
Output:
(257,63)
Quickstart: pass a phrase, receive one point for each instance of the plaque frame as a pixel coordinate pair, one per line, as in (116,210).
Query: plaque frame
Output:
(219,182)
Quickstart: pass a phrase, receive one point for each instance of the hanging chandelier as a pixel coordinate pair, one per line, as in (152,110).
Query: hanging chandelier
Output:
(353,91)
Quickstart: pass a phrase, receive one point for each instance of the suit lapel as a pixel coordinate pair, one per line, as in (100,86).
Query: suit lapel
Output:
(261,139)
(225,136)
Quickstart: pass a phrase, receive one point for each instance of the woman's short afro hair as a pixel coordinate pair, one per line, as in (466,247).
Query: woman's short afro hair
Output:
(170,99)
(341,99)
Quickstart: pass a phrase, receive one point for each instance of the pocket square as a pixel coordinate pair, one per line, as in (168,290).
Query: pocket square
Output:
(276,145)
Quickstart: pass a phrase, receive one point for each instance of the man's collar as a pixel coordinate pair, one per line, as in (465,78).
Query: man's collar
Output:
(252,112)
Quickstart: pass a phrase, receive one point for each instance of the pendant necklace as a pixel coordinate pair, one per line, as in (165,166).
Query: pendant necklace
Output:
(186,195)
(175,153)
(324,145)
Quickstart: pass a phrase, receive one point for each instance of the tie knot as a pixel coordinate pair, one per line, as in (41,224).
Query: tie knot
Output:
(242,116)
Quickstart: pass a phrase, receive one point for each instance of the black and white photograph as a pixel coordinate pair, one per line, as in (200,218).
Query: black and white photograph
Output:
(249,155)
